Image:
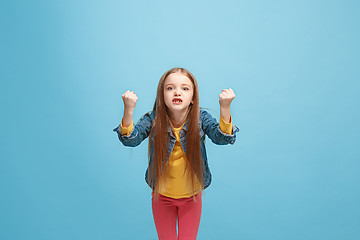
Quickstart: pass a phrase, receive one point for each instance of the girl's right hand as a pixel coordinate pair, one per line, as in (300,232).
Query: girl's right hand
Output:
(130,100)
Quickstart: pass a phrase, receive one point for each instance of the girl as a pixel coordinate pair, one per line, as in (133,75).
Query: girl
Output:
(178,169)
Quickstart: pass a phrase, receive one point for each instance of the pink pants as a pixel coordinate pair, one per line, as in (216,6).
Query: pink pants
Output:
(167,211)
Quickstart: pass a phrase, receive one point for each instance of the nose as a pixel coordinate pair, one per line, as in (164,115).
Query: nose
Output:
(177,92)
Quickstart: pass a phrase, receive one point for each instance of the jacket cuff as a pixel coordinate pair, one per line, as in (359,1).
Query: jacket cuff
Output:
(126,130)
(229,138)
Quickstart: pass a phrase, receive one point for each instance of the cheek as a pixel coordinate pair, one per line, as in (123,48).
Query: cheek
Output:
(167,97)
(191,96)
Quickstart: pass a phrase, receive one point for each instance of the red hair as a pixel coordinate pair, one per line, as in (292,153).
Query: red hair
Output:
(161,123)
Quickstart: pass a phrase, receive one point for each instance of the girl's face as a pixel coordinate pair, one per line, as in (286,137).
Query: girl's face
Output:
(178,92)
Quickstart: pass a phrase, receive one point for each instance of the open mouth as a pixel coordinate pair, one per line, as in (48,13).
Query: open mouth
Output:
(177,100)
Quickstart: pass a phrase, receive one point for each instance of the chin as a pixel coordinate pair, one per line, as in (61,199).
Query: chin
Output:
(175,109)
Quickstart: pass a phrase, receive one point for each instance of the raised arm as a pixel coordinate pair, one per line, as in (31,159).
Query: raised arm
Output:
(130,99)
(129,134)
(223,133)
(225,99)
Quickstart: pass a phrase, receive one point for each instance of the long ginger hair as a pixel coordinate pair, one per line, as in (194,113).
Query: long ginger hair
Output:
(161,141)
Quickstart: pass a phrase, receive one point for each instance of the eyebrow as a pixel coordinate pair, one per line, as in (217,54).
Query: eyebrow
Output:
(170,84)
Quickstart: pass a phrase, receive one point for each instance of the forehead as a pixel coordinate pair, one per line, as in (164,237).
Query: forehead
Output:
(178,79)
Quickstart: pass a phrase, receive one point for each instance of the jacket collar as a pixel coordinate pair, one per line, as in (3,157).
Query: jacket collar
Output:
(183,128)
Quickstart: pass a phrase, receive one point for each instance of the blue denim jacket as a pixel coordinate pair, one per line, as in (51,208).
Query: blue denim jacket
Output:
(207,125)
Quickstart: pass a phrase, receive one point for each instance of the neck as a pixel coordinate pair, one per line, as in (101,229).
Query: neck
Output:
(178,118)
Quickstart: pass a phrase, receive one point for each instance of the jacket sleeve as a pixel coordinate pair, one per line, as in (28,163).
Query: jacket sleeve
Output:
(140,131)
(212,129)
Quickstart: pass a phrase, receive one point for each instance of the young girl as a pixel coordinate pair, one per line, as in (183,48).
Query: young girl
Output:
(178,169)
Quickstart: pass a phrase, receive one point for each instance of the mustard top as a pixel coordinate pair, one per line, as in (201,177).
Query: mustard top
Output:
(175,182)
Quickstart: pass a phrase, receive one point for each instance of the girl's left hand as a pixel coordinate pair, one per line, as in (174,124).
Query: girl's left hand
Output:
(226,97)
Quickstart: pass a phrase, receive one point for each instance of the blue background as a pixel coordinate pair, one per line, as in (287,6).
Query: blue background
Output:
(293,172)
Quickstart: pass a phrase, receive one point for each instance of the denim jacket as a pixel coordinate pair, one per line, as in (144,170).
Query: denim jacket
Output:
(207,125)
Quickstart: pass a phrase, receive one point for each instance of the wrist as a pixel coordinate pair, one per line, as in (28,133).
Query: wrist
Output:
(129,110)
(225,113)
(225,107)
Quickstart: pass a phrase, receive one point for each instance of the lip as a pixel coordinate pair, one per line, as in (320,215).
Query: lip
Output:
(177,101)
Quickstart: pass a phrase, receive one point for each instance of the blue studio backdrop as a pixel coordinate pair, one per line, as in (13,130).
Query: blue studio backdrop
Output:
(293,172)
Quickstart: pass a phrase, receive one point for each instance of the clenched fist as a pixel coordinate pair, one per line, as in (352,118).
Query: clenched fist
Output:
(226,97)
(129,99)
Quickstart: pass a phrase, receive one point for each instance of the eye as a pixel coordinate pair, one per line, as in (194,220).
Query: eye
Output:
(169,88)
(185,88)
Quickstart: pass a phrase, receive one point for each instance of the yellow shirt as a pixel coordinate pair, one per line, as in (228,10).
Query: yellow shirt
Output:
(175,181)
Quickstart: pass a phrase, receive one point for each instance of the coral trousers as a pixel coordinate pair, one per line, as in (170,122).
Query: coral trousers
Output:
(167,211)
